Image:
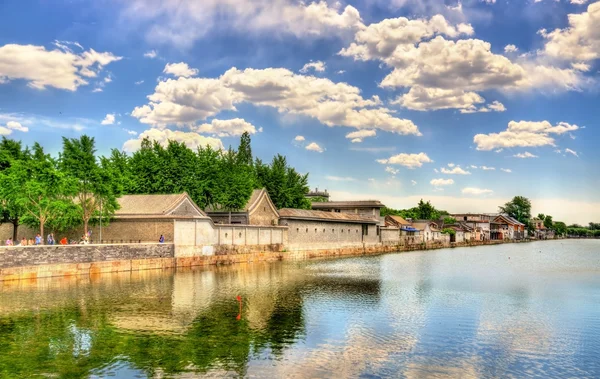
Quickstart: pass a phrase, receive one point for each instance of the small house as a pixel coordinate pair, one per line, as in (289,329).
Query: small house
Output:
(259,210)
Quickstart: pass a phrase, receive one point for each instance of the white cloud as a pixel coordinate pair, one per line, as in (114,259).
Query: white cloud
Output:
(317,66)
(109,119)
(180,69)
(340,179)
(340,72)
(510,49)
(523,134)
(451,165)
(15,125)
(476,191)
(5,131)
(455,171)
(97,89)
(162,136)
(407,160)
(525,155)
(359,135)
(299,138)
(580,41)
(313,146)
(508,170)
(571,152)
(139,82)
(184,101)
(27,120)
(391,170)
(486,168)
(473,166)
(441,182)
(579,66)
(227,128)
(579,2)
(414,183)
(423,99)
(151,54)
(59,68)
(181,23)
(131,132)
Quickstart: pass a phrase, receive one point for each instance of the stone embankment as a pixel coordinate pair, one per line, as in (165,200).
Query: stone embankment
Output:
(32,262)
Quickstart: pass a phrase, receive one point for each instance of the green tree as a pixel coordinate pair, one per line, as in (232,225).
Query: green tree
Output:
(560,228)
(244,152)
(541,216)
(10,211)
(94,188)
(40,189)
(449,231)
(286,187)
(234,187)
(449,220)
(518,208)
(548,223)
(118,167)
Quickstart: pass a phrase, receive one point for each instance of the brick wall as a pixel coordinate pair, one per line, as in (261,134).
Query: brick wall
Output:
(50,255)
(306,234)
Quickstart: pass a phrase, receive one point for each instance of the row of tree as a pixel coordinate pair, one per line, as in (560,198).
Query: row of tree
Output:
(78,188)
(423,211)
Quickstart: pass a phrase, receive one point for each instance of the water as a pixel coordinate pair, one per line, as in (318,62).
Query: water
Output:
(516,310)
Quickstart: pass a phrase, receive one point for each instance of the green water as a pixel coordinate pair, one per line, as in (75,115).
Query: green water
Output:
(516,310)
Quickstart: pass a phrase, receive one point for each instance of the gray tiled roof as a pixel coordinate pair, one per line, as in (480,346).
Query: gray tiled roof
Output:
(305,214)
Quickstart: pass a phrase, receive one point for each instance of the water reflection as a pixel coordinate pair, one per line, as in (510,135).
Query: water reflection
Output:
(449,313)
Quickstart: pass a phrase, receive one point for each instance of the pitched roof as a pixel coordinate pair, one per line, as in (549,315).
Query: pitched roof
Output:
(398,220)
(304,214)
(509,220)
(422,224)
(141,206)
(347,204)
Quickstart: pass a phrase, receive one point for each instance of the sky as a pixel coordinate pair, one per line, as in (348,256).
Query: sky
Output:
(466,104)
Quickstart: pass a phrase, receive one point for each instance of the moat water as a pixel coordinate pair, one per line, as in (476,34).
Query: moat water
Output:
(514,310)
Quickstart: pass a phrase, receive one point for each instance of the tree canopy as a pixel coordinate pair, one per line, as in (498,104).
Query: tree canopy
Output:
(423,211)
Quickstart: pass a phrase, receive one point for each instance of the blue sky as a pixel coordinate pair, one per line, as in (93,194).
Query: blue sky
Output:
(466,104)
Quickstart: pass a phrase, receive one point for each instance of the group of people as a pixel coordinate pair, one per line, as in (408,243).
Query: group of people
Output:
(85,239)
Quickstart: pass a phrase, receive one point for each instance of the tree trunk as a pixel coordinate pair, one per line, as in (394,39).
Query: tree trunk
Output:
(42,231)
(15,223)
(229,217)
(85,226)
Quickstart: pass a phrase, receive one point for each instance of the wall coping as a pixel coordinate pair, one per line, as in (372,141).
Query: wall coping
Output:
(90,244)
(251,226)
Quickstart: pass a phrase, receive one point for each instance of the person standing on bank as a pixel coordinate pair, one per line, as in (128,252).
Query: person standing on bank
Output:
(161,239)
(38,239)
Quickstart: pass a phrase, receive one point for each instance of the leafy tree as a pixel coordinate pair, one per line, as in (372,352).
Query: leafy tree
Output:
(40,189)
(449,220)
(10,211)
(548,222)
(594,226)
(118,167)
(449,231)
(541,216)
(320,199)
(560,228)
(244,152)
(234,189)
(94,187)
(286,187)
(518,208)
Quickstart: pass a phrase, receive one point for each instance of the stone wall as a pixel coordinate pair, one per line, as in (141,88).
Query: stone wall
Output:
(223,218)
(51,255)
(263,214)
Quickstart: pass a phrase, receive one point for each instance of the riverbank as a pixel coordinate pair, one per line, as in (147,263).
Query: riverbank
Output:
(30,263)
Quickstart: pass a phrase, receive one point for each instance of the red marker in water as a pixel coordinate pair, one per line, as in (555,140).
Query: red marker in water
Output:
(239,316)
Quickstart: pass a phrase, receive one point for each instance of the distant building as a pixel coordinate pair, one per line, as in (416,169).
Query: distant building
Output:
(478,222)
(541,232)
(509,227)
(428,229)
(310,228)
(366,208)
(259,210)
(316,194)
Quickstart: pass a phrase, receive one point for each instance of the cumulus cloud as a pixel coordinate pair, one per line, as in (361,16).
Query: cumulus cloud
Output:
(476,191)
(151,54)
(410,161)
(313,146)
(184,101)
(571,152)
(139,82)
(59,68)
(227,128)
(486,168)
(180,69)
(317,66)
(299,138)
(525,155)
(441,182)
(109,119)
(523,134)
(508,170)
(12,126)
(473,166)
(359,135)
(580,41)
(413,182)
(181,23)
(191,139)
(510,49)
(442,73)
(457,170)
(130,132)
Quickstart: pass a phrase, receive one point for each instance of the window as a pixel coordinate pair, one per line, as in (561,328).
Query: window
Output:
(365,230)
(337,210)
(377,229)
